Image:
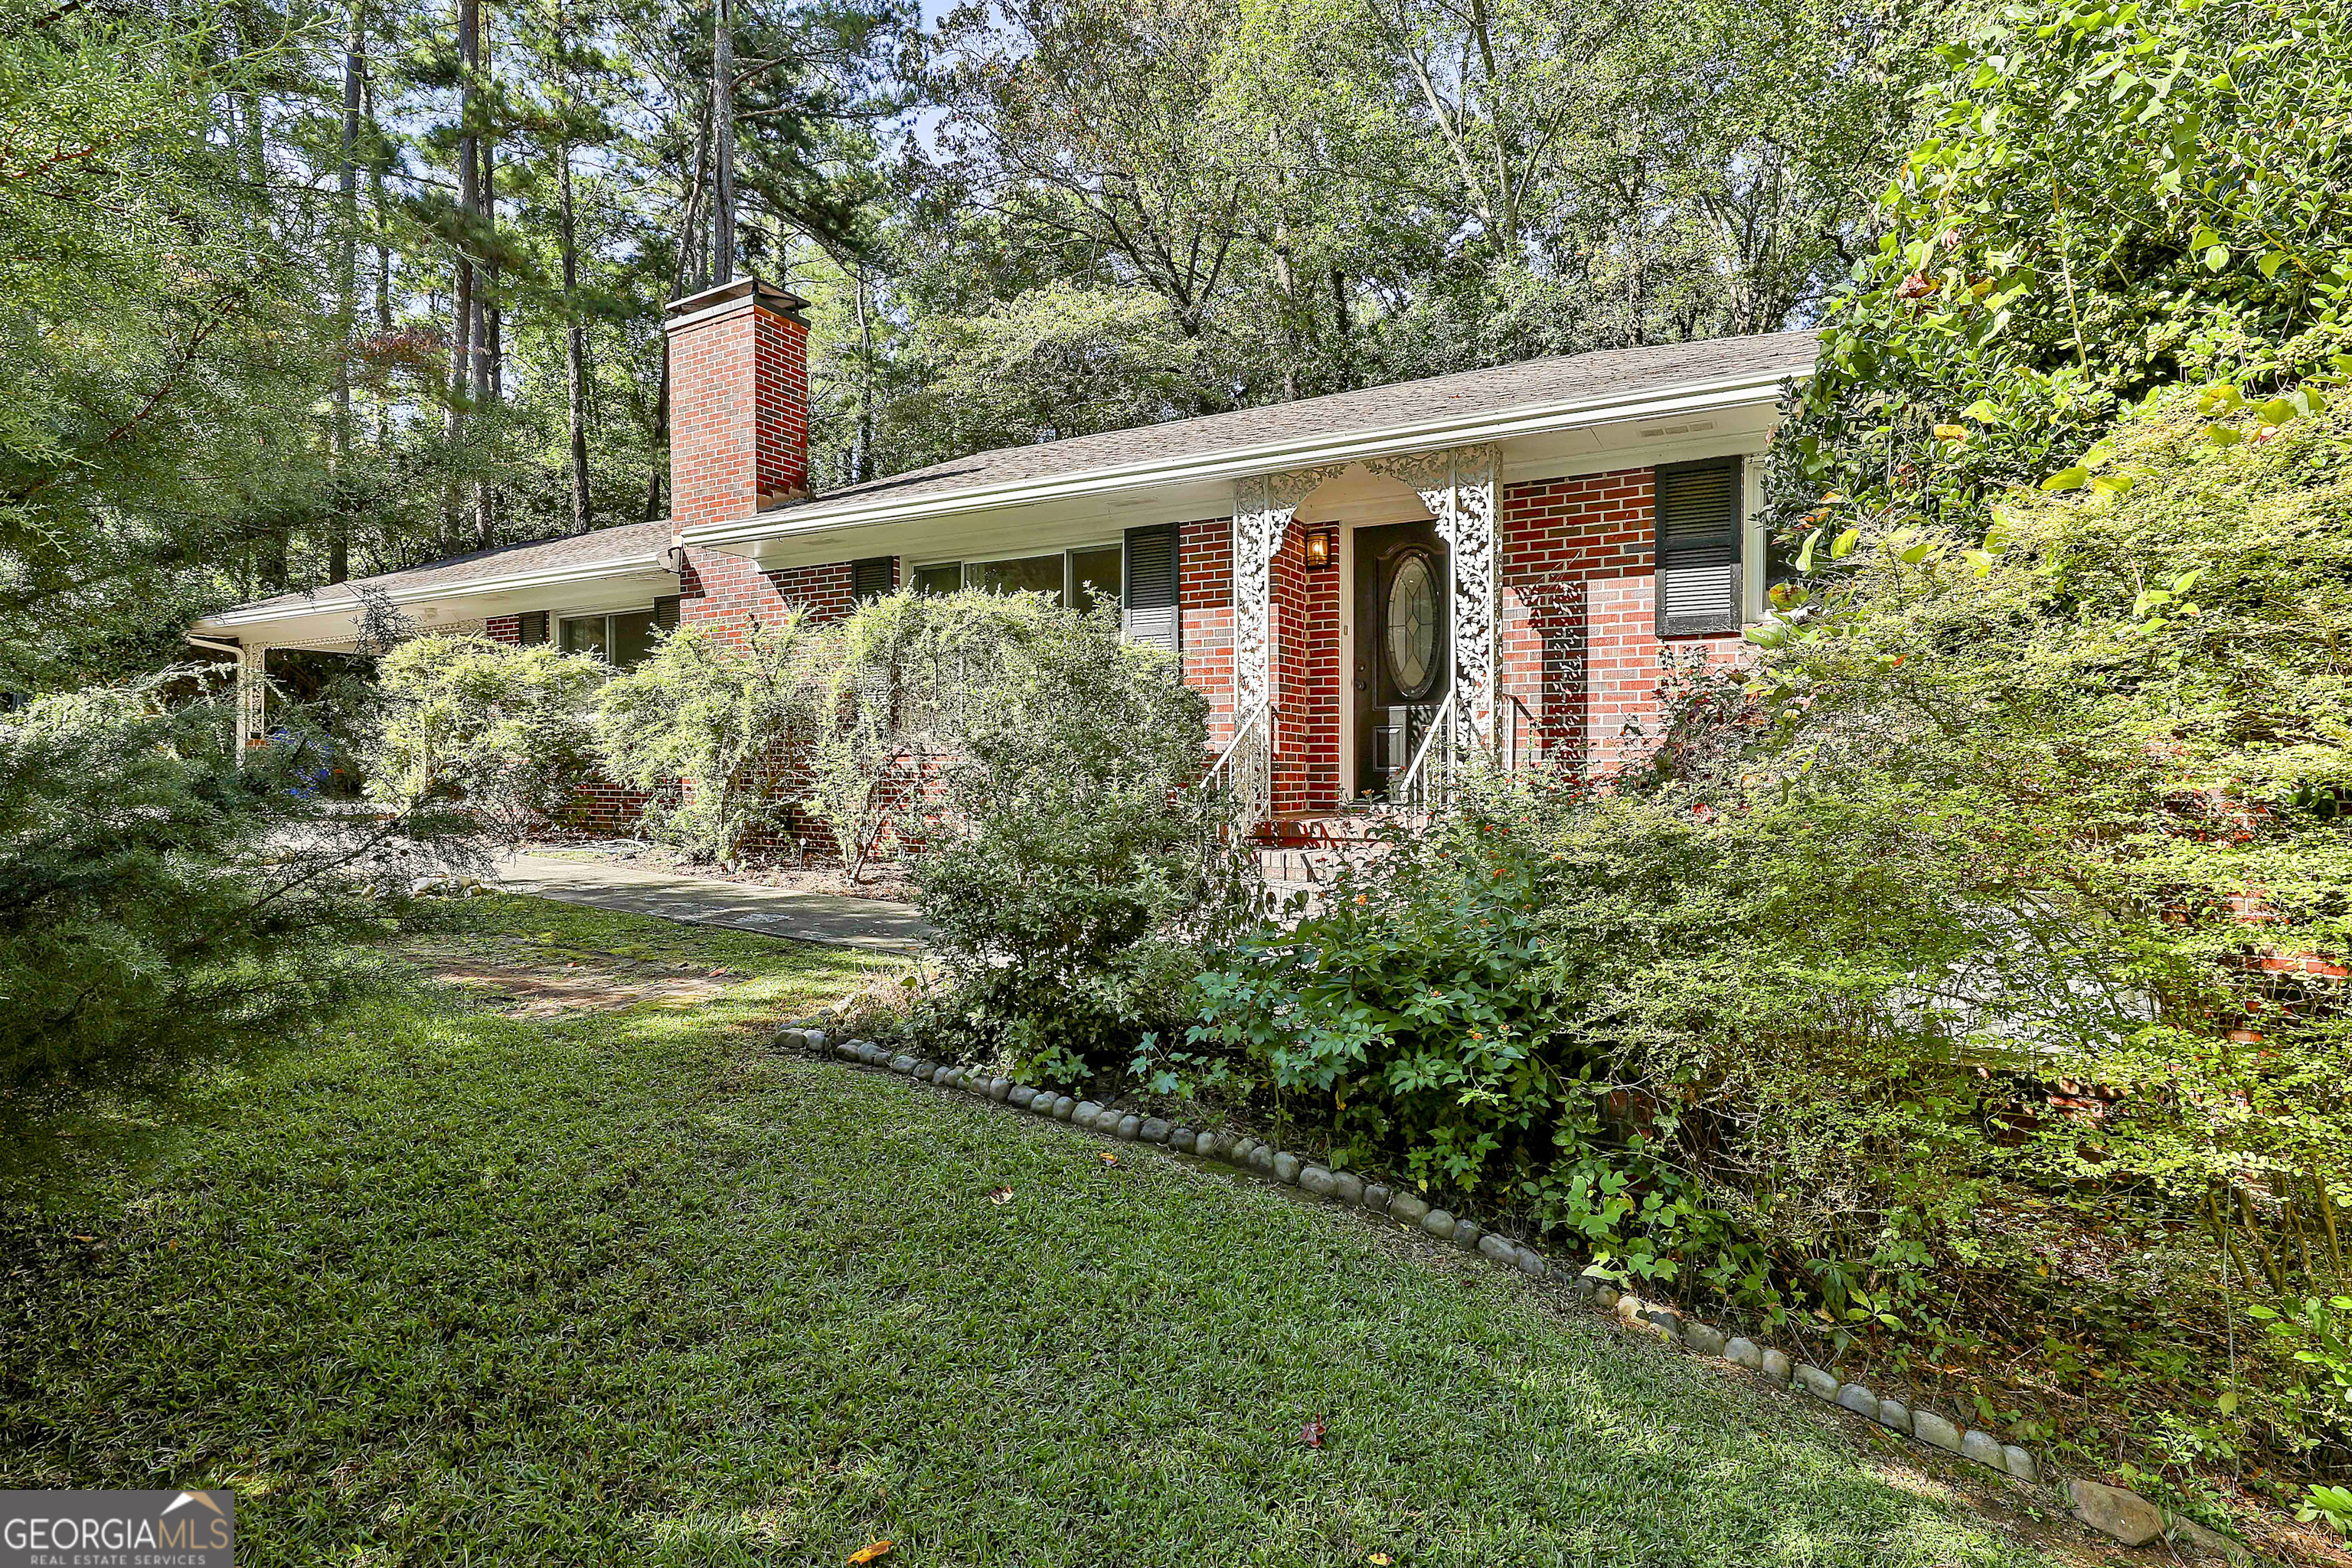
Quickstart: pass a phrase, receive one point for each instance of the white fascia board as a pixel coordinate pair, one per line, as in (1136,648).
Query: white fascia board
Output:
(511,582)
(743,536)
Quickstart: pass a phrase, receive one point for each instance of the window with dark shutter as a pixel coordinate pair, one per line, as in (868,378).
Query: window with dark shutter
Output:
(1148,608)
(532,631)
(873,577)
(665,612)
(1698,548)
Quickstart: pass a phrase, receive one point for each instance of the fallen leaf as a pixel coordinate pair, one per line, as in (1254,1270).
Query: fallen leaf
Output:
(1380,1560)
(875,1552)
(80,1237)
(1107,1159)
(1001,1196)
(1312,1433)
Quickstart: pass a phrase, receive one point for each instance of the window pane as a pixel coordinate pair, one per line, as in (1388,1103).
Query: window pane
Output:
(584,633)
(943,577)
(633,638)
(1094,576)
(1030,574)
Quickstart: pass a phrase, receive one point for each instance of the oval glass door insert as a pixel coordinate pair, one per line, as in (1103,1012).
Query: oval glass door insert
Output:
(1411,627)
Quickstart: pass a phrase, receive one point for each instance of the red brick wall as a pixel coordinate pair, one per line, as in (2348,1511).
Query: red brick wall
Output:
(1204,600)
(1304,622)
(737,416)
(725,594)
(504,628)
(1577,641)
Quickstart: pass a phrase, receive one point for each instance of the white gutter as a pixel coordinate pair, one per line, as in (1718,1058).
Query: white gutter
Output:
(514,581)
(1238,462)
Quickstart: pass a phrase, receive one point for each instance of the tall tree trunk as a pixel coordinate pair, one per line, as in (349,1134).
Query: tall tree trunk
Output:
(382,253)
(461,346)
(722,139)
(863,469)
(575,343)
(1343,356)
(485,282)
(347,283)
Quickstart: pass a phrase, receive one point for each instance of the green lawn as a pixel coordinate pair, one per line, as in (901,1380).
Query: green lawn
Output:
(455,1284)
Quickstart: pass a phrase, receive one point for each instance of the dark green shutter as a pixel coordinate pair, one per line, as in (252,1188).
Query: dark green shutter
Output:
(1698,548)
(1149,610)
(873,577)
(665,612)
(531,629)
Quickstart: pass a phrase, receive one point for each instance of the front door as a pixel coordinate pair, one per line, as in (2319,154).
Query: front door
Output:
(1404,592)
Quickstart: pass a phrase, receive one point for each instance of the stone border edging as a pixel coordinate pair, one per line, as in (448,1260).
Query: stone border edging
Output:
(2124,1515)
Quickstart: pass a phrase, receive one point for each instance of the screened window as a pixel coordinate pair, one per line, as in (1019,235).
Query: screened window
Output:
(623,639)
(1084,577)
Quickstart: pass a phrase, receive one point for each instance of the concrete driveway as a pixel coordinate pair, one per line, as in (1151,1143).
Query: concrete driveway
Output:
(871,924)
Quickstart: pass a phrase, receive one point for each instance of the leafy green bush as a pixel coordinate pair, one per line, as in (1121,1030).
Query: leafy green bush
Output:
(500,731)
(163,904)
(1067,858)
(2109,198)
(713,733)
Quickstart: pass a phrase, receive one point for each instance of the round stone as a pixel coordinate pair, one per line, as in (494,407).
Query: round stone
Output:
(1665,1320)
(872,1055)
(1821,1385)
(1929,1428)
(902,1064)
(1064,1108)
(1204,1144)
(1261,1159)
(1467,1233)
(1859,1400)
(951,1078)
(1317,1180)
(1378,1199)
(846,1051)
(1154,1131)
(1776,1368)
(1347,1188)
(1086,1113)
(1022,1096)
(1704,1338)
(1531,1263)
(815,1038)
(1129,1127)
(1498,1248)
(1439,1224)
(1895,1414)
(1746,1352)
(1409,1208)
(1286,1166)
(1983,1447)
(1000,1090)
(1606,1295)
(2019,1463)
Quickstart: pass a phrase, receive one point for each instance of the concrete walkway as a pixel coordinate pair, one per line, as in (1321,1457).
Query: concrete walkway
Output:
(871,924)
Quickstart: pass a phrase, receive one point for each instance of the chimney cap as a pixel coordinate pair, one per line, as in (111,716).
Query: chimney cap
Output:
(745,287)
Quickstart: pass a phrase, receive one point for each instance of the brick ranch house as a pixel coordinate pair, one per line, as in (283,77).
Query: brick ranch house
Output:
(1366,586)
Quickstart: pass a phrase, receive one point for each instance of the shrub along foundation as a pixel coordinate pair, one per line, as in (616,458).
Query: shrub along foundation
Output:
(2103,1508)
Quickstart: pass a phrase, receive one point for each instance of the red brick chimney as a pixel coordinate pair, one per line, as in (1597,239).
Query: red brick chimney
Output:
(738,401)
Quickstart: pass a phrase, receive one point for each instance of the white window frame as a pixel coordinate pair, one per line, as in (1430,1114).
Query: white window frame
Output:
(555,619)
(967,562)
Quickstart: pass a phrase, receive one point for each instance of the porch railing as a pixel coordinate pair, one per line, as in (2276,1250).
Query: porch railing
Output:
(1429,777)
(1244,769)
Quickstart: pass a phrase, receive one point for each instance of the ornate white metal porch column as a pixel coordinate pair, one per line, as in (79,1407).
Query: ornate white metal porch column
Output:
(1458,486)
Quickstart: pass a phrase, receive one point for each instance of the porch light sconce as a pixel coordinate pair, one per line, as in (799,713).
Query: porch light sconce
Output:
(1320,547)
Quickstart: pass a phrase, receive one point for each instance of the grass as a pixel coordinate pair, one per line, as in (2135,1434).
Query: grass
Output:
(452,1285)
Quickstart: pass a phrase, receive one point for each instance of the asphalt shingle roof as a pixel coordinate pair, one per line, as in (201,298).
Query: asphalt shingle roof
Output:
(1565,378)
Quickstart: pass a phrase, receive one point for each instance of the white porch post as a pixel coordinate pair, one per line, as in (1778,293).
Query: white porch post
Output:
(252,694)
(1263,505)
(1458,486)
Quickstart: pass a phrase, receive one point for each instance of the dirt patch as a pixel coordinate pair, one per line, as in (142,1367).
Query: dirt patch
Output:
(572,988)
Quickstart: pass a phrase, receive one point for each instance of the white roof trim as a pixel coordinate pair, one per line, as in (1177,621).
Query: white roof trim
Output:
(513,581)
(1303,452)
